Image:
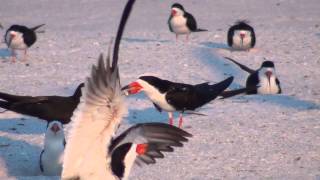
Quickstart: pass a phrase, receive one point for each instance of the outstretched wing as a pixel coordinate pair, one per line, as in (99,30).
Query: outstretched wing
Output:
(143,143)
(243,67)
(93,123)
(97,116)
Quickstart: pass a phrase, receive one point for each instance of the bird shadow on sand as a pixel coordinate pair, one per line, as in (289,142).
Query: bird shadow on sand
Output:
(139,40)
(318,34)
(20,158)
(215,45)
(283,100)
(5,53)
(25,126)
(146,115)
(219,64)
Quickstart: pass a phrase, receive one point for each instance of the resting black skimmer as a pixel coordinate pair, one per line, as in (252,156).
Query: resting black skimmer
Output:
(261,81)
(91,152)
(171,96)
(182,22)
(47,108)
(51,157)
(241,36)
(20,37)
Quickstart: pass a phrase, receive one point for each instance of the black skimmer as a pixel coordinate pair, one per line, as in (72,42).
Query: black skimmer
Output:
(91,151)
(51,157)
(142,144)
(20,37)
(241,36)
(48,108)
(171,96)
(182,22)
(261,81)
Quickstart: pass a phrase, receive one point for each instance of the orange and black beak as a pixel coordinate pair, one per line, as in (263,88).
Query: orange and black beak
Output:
(173,12)
(55,128)
(10,38)
(268,74)
(242,35)
(132,88)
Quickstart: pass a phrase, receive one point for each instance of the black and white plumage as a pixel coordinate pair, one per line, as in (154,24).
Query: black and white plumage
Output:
(241,36)
(51,157)
(96,118)
(91,152)
(20,37)
(261,81)
(182,22)
(142,144)
(47,108)
(171,96)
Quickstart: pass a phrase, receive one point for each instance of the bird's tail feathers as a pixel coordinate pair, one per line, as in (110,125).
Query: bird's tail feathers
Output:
(221,86)
(10,97)
(5,105)
(200,30)
(231,93)
(37,27)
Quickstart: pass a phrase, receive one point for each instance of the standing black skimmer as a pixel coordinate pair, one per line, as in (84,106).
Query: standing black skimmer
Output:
(241,36)
(21,38)
(48,108)
(91,152)
(171,96)
(261,81)
(51,157)
(182,22)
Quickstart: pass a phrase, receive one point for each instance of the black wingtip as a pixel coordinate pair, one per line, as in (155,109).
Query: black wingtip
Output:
(228,81)
(124,18)
(242,21)
(37,27)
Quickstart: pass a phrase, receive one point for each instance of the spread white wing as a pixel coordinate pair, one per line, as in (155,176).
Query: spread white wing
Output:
(93,124)
(96,118)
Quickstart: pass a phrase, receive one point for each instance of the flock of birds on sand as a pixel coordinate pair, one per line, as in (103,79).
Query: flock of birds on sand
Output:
(95,110)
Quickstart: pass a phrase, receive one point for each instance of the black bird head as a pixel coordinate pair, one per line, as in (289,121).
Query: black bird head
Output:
(177,9)
(243,26)
(146,83)
(55,128)
(267,64)
(241,29)
(267,69)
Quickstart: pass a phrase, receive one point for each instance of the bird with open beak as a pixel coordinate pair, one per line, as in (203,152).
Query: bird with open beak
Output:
(176,97)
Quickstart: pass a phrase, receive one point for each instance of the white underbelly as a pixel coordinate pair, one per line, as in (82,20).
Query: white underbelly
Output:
(52,166)
(16,43)
(179,25)
(266,88)
(241,45)
(162,103)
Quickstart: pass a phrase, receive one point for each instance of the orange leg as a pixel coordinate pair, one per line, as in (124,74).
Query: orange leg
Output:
(170,118)
(13,57)
(25,55)
(176,37)
(180,120)
(187,38)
